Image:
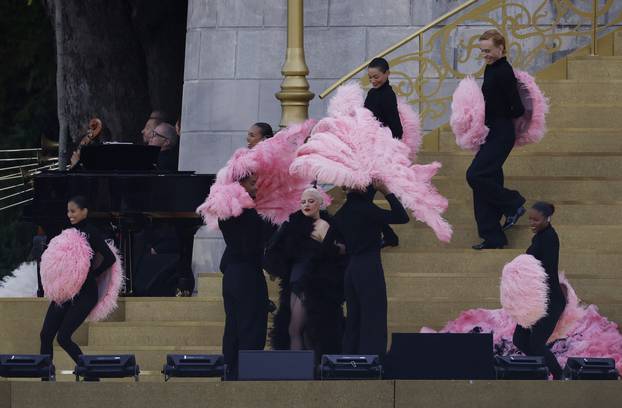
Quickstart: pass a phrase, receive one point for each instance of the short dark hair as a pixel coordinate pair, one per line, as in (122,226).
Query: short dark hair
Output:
(547,209)
(265,129)
(379,63)
(80,201)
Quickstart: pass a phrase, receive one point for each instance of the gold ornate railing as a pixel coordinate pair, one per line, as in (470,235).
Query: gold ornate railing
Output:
(445,53)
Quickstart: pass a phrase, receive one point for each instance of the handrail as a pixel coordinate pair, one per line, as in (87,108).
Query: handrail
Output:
(397,45)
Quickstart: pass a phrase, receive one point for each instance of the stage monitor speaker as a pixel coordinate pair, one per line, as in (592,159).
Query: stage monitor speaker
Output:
(440,356)
(350,367)
(521,368)
(275,365)
(27,366)
(586,368)
(106,366)
(194,365)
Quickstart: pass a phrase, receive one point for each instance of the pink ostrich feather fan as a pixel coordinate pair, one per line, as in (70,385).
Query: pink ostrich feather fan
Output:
(468,112)
(531,126)
(278,192)
(109,285)
(350,148)
(411,125)
(524,290)
(65,265)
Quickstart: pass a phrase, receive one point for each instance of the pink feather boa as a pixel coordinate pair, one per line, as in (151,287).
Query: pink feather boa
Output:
(350,148)
(109,285)
(278,192)
(65,265)
(581,330)
(468,113)
(524,290)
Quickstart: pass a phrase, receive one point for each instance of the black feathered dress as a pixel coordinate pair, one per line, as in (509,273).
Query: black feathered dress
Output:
(314,271)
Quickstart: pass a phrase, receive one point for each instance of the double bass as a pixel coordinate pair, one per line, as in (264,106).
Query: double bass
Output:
(94,131)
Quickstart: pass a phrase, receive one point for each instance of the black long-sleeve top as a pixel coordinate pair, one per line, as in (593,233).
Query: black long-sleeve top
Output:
(103,258)
(245,236)
(382,102)
(501,92)
(360,222)
(545,248)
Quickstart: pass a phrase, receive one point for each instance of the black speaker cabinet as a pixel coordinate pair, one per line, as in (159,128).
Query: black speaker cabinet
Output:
(276,365)
(586,368)
(521,368)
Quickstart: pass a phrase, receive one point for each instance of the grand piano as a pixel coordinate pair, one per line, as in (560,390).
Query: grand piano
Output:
(126,193)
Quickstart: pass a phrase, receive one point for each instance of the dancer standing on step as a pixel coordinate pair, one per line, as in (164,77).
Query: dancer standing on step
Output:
(360,223)
(305,255)
(244,288)
(545,248)
(491,199)
(382,102)
(63,319)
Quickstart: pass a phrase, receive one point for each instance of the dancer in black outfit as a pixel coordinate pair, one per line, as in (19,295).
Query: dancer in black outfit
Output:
(360,222)
(63,320)
(382,102)
(545,248)
(305,255)
(491,199)
(244,288)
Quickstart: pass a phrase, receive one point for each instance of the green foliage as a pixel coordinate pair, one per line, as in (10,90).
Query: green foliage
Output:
(27,103)
(27,74)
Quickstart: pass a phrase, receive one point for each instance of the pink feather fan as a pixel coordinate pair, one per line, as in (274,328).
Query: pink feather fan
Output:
(278,192)
(524,290)
(109,285)
(64,268)
(350,148)
(468,111)
(65,265)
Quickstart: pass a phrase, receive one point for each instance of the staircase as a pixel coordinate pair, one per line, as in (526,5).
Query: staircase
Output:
(578,167)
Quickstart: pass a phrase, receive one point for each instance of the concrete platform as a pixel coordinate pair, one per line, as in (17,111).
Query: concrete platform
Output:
(320,394)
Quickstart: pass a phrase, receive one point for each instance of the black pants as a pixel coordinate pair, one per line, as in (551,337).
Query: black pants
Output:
(65,319)
(533,341)
(366,301)
(491,199)
(245,296)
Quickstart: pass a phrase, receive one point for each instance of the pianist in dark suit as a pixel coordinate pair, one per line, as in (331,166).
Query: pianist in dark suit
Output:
(153,121)
(165,137)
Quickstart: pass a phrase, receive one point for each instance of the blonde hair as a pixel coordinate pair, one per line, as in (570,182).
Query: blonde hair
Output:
(315,193)
(497,39)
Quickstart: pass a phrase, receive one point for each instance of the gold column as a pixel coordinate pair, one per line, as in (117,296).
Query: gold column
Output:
(294,95)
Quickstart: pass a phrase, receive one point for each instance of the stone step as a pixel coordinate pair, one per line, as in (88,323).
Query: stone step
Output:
(450,262)
(584,116)
(148,358)
(566,213)
(542,165)
(595,68)
(413,237)
(553,189)
(582,91)
(403,315)
(152,333)
(173,308)
(557,141)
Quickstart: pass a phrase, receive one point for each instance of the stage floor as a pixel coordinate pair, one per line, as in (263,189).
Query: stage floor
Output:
(307,394)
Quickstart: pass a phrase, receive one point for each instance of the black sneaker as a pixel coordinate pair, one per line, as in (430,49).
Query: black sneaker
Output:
(513,219)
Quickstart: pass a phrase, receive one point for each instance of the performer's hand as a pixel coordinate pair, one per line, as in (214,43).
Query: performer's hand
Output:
(379,185)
